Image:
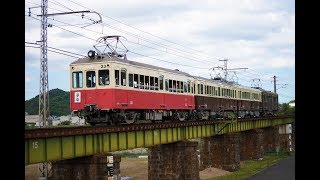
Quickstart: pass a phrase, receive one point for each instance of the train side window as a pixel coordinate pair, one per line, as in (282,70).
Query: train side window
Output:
(194,88)
(135,81)
(188,87)
(151,83)
(91,78)
(123,77)
(116,75)
(170,85)
(185,87)
(161,82)
(178,86)
(201,88)
(156,84)
(141,82)
(147,82)
(218,91)
(104,77)
(167,85)
(77,79)
(130,80)
(181,86)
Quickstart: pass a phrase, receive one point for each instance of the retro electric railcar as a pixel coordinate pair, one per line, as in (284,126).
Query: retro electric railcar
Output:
(108,88)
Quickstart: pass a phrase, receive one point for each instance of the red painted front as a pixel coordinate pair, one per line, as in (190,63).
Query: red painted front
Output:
(130,99)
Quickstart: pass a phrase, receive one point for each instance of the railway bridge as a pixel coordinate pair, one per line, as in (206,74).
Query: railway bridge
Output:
(173,154)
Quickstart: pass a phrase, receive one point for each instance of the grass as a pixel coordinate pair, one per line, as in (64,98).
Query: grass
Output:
(251,167)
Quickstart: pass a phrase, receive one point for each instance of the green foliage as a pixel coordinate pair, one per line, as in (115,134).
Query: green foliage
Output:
(59,103)
(63,123)
(285,109)
(29,126)
(251,167)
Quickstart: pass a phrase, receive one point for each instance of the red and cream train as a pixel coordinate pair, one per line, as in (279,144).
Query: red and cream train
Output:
(108,88)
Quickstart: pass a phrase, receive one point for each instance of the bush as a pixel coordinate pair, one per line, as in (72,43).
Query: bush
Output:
(64,123)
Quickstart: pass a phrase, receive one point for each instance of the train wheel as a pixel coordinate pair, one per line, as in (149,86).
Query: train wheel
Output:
(130,117)
(181,116)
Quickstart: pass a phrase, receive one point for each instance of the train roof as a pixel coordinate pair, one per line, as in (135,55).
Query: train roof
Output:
(107,58)
(226,83)
(263,90)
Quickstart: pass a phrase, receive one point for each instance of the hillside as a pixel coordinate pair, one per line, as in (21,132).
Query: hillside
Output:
(59,103)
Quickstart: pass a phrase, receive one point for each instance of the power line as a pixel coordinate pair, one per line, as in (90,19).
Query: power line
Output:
(146,32)
(132,51)
(145,39)
(53,51)
(149,41)
(58,49)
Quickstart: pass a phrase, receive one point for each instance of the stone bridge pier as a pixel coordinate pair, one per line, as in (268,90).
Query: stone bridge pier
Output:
(94,167)
(174,161)
(220,151)
(227,150)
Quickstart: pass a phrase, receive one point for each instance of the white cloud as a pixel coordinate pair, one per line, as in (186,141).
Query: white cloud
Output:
(258,34)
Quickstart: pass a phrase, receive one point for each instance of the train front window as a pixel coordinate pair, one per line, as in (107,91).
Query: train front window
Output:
(91,78)
(77,79)
(104,77)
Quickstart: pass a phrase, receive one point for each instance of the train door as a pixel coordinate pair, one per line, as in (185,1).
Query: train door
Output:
(90,95)
(121,94)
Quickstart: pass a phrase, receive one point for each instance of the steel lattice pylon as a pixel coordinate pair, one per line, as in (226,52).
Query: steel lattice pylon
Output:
(44,110)
(44,86)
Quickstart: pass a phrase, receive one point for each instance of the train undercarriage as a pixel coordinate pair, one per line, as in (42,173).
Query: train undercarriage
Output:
(94,116)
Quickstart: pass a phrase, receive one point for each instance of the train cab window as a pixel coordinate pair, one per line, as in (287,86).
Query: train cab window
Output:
(199,89)
(116,75)
(123,77)
(151,83)
(141,85)
(147,82)
(77,79)
(135,81)
(161,82)
(156,84)
(91,78)
(167,85)
(130,80)
(104,77)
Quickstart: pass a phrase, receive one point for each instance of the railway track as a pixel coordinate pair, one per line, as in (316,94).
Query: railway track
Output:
(85,129)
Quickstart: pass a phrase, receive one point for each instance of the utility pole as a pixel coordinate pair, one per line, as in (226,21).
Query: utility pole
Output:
(274,84)
(44,105)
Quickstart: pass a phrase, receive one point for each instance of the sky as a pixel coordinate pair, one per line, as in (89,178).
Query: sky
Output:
(257,37)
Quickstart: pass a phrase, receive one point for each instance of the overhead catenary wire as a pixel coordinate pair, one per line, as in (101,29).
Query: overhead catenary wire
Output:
(161,50)
(53,51)
(138,53)
(142,38)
